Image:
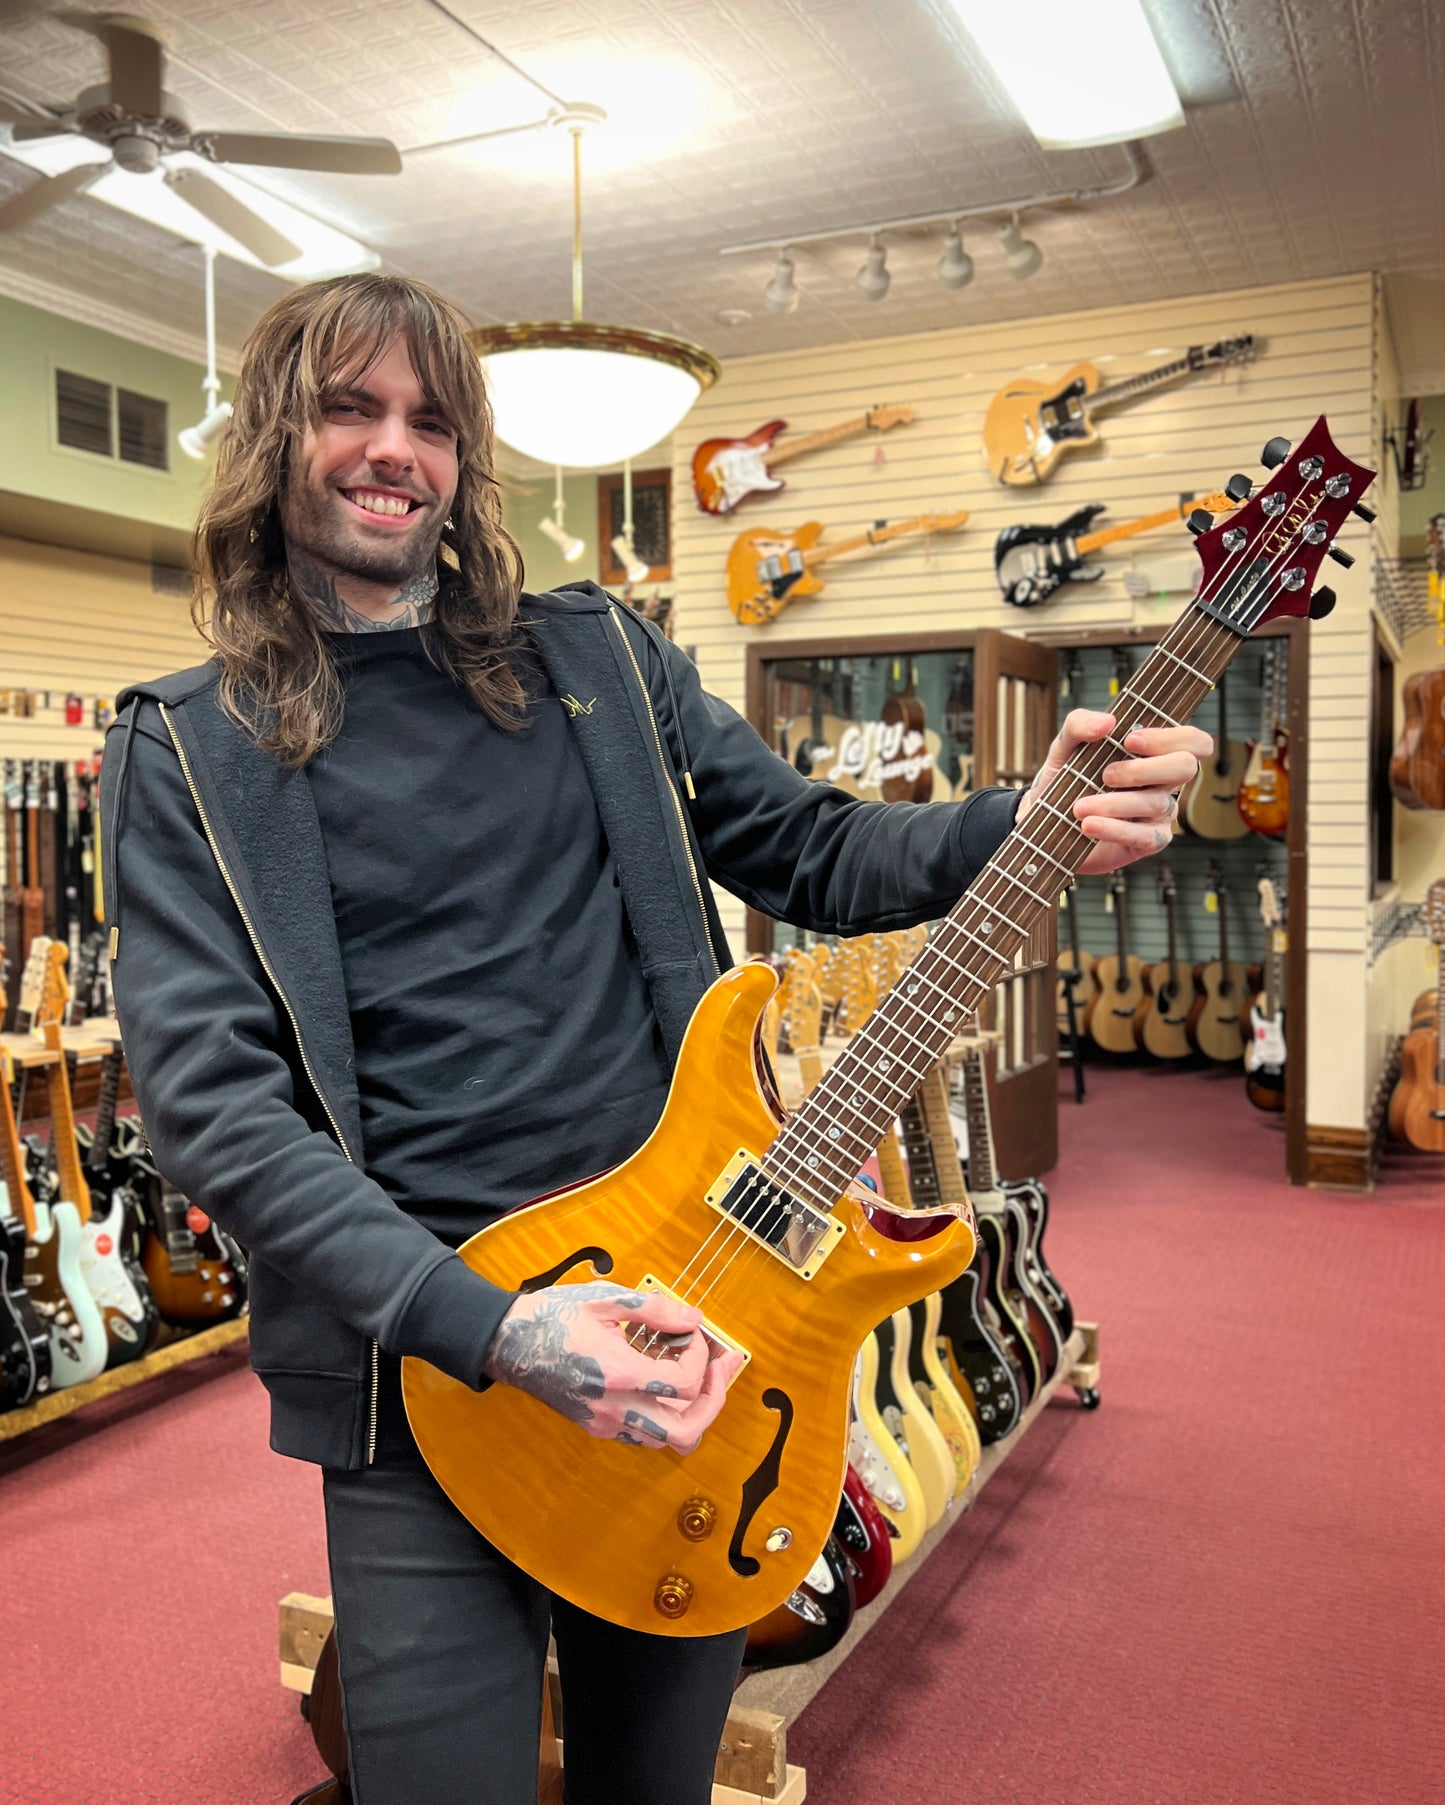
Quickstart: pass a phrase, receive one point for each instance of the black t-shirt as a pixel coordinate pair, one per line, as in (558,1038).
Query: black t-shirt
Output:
(505,1041)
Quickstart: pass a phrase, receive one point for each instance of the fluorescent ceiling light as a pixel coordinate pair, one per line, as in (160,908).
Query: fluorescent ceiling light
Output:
(1081,72)
(324,250)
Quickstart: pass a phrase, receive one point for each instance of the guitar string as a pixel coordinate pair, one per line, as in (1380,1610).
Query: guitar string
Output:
(1197,634)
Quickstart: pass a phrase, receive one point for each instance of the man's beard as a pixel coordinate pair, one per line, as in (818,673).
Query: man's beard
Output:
(311,522)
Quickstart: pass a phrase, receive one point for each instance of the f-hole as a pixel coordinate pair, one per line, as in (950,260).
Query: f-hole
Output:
(761,1483)
(601,1264)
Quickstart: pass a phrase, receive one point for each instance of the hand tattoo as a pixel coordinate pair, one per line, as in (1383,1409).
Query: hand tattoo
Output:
(533,1355)
(316,587)
(659,1388)
(636,1420)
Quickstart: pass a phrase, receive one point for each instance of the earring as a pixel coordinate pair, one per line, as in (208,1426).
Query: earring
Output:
(451,524)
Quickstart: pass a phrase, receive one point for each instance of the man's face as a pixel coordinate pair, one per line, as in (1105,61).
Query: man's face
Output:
(370,492)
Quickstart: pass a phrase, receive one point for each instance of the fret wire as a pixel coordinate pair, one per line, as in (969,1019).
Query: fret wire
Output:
(1184,664)
(1009,877)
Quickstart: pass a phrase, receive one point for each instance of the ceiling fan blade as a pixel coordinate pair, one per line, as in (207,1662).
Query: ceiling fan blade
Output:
(25,131)
(294,150)
(21,208)
(235,218)
(137,61)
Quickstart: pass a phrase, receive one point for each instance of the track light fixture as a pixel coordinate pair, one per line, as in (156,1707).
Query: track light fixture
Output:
(955,266)
(632,566)
(781,294)
(873,278)
(567,543)
(197,440)
(1021,255)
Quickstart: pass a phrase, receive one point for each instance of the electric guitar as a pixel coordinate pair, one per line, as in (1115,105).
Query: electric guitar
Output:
(1031,561)
(1215,1021)
(1264,1057)
(862,1529)
(1263,798)
(909,1420)
(195,1270)
(812,1620)
(761,1219)
(112,1271)
(766,569)
(1120,977)
(880,1463)
(24,1339)
(1030,425)
(1161,1022)
(725,472)
(1417,764)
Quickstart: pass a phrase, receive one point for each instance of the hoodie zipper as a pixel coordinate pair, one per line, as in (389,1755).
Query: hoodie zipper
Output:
(270,972)
(671,786)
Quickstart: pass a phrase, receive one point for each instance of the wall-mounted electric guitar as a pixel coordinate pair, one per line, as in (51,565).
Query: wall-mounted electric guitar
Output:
(1264,1057)
(1209,807)
(1264,790)
(725,472)
(766,569)
(801,1260)
(1222,990)
(1031,562)
(1417,1107)
(1162,1020)
(1121,980)
(1030,425)
(1417,765)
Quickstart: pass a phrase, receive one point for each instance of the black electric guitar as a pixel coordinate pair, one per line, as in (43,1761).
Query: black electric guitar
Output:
(1032,561)
(809,1622)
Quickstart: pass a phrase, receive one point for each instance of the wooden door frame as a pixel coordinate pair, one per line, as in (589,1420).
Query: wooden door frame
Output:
(1297,666)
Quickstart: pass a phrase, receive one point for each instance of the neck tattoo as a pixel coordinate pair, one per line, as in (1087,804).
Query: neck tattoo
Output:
(411,606)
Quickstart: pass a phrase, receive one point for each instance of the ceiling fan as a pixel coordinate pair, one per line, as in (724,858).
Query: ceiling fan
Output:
(140,124)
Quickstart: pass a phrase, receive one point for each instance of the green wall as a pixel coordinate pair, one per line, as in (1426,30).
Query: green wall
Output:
(546,567)
(33,344)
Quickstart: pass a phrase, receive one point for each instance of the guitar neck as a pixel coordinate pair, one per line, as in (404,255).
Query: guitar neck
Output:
(12,1156)
(1109,535)
(933,1100)
(65,1147)
(815,441)
(878,535)
(1119,937)
(1169,912)
(981,1165)
(1138,385)
(826,1142)
(111,1068)
(922,1167)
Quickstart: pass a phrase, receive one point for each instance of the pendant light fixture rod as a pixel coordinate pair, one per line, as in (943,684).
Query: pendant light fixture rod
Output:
(212,384)
(576,222)
(627,499)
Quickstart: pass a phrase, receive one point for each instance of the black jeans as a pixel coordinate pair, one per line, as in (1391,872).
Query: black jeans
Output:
(443,1643)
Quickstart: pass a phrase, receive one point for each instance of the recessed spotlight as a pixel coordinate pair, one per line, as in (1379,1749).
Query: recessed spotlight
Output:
(873,278)
(781,294)
(1021,255)
(955,266)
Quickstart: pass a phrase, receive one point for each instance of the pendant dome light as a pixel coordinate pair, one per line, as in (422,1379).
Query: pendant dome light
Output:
(582,395)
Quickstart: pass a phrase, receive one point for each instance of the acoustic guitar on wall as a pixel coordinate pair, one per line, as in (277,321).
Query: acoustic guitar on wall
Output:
(1210,805)
(1417,765)
(1417,1107)
(726,472)
(1162,1020)
(1030,425)
(1120,976)
(766,569)
(1215,1021)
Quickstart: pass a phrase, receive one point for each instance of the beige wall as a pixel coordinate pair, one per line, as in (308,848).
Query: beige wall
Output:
(1320,353)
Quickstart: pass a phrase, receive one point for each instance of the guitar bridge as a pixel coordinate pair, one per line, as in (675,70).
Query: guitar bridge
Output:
(798,1233)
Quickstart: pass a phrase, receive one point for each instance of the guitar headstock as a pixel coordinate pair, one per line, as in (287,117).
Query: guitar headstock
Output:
(942,523)
(1262,564)
(1435,911)
(1269,909)
(1223,351)
(881,418)
(1166,884)
(44,991)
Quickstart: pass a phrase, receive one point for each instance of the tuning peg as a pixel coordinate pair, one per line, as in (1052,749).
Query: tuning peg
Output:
(1274,453)
(1322,602)
(1364,513)
(1200,521)
(1239,488)
(1341,557)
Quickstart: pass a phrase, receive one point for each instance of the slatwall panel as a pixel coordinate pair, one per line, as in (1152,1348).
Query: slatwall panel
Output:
(73,622)
(1319,353)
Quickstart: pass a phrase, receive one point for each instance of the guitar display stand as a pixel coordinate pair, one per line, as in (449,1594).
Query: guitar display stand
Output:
(752,1765)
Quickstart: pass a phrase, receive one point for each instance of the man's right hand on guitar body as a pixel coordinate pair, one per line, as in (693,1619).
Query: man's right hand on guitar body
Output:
(578,1348)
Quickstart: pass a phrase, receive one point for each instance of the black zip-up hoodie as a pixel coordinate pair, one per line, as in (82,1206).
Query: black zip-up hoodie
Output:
(228,980)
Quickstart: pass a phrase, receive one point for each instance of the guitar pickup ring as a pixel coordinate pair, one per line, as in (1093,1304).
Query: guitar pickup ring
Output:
(797,1233)
(718,1341)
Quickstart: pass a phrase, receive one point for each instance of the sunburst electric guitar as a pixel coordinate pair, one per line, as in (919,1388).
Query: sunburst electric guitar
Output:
(725,472)
(758,1220)
(768,569)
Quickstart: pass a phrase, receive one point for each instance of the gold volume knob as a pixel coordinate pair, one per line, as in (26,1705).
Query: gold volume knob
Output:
(673,1595)
(697,1519)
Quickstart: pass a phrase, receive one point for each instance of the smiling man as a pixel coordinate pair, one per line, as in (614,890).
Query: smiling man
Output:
(404,937)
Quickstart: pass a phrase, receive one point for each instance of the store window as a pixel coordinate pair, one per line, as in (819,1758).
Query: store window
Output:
(111,423)
(651,523)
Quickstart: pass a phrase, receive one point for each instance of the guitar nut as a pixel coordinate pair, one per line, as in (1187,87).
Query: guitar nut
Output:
(673,1595)
(697,1519)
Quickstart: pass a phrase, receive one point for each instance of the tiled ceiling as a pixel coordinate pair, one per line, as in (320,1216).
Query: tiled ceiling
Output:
(1314,145)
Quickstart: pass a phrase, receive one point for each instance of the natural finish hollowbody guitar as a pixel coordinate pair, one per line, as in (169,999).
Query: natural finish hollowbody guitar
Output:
(1263,798)
(1030,425)
(725,472)
(766,569)
(1417,1107)
(798,1263)
(1161,1022)
(1120,977)
(1210,805)
(1265,1055)
(1216,1023)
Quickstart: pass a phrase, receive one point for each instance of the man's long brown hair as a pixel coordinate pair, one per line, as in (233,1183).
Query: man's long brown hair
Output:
(277,676)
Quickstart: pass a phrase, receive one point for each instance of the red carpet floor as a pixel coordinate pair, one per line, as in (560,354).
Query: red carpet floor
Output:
(1227,1584)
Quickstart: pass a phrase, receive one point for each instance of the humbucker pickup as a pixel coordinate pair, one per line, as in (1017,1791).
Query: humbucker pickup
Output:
(801,1235)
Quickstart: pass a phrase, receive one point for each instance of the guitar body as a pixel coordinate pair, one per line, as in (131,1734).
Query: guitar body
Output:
(985,1373)
(1031,562)
(1086,990)
(116,1280)
(527,1478)
(1161,1023)
(1031,1197)
(1019,1279)
(1030,425)
(1210,805)
(725,472)
(880,1463)
(1421,1110)
(1122,993)
(1417,765)
(1216,1018)
(1007,1303)
(909,1419)
(62,1299)
(196,1275)
(1263,798)
(810,1621)
(862,1531)
(1264,1058)
(24,1341)
(766,571)
(934,1384)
